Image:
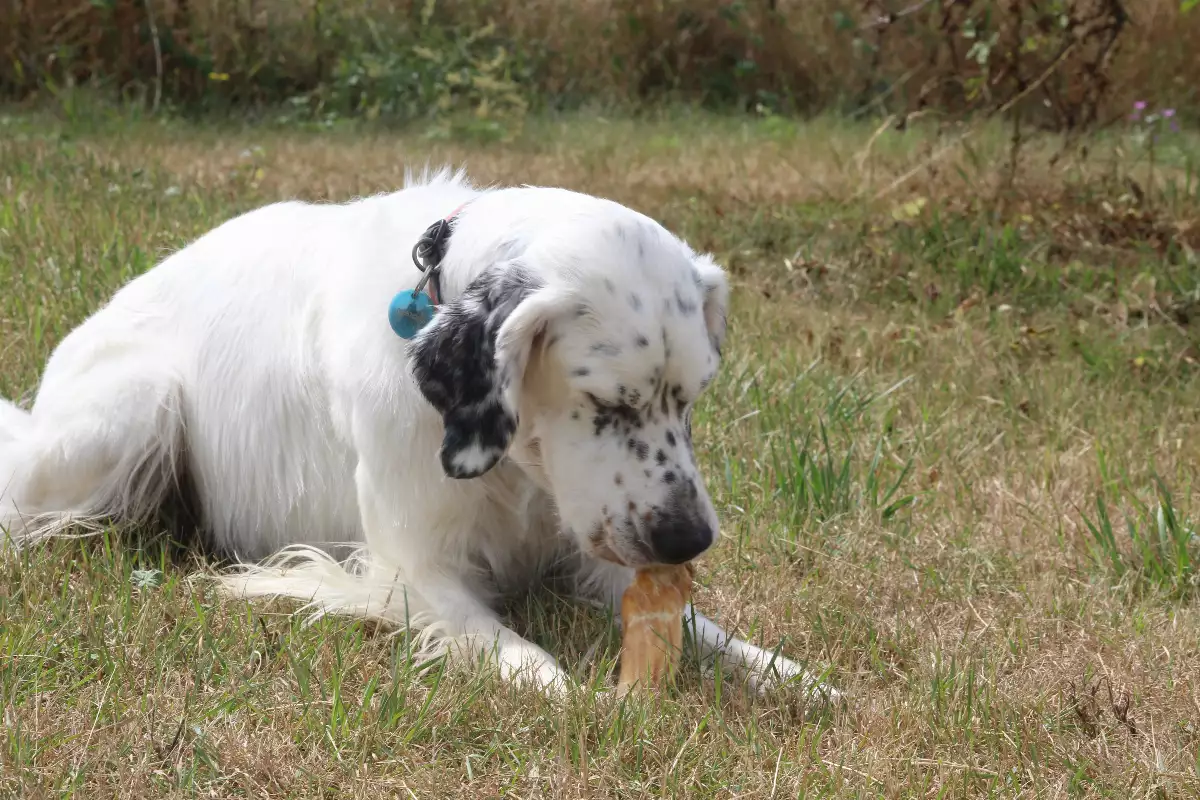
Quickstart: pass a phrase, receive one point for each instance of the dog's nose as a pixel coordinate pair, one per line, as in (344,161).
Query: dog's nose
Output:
(679,536)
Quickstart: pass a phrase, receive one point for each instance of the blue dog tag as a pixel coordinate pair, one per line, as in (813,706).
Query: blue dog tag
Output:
(409,312)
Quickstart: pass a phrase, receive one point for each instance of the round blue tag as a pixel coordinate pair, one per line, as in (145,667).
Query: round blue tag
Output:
(409,312)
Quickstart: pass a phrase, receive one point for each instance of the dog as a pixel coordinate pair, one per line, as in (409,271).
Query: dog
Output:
(539,423)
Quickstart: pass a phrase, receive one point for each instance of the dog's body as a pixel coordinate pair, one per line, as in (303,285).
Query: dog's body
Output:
(555,382)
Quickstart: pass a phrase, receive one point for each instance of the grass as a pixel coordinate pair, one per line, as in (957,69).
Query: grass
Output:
(923,397)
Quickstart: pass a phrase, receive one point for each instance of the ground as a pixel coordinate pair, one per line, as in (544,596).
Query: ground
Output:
(953,447)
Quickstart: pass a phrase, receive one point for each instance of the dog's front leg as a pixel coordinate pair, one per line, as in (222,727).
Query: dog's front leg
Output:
(472,632)
(601,583)
(409,546)
(765,670)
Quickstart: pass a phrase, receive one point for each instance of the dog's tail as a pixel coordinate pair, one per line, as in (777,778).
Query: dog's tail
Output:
(358,587)
(71,478)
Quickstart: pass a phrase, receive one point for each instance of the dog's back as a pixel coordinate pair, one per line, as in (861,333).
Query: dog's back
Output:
(212,362)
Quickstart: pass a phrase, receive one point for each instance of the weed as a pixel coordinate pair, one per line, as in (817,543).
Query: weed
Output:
(1163,545)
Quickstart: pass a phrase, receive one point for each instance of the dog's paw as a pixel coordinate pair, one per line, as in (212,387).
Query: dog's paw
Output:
(546,677)
(549,679)
(784,675)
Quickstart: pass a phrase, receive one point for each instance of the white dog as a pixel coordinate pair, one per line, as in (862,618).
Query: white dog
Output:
(540,420)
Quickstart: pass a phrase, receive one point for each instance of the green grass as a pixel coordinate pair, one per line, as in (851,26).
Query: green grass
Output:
(1162,540)
(903,445)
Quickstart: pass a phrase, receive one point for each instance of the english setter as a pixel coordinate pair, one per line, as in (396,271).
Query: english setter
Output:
(540,421)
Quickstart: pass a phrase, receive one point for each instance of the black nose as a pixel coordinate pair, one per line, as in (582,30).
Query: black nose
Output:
(678,537)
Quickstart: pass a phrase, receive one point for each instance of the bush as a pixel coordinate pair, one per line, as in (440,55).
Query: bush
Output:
(412,58)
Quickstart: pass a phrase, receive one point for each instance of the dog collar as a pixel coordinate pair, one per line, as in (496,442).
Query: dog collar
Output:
(413,309)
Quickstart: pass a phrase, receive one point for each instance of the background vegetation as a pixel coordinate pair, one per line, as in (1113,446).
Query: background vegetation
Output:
(408,59)
(954,442)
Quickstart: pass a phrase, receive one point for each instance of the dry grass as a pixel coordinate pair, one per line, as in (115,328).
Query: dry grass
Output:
(977,353)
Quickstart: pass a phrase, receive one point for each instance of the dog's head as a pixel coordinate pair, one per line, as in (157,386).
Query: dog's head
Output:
(581,358)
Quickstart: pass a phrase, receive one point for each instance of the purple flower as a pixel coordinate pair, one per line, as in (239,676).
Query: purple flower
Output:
(1168,113)
(1140,105)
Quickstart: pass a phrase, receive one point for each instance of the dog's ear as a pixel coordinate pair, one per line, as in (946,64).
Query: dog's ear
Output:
(470,360)
(716,299)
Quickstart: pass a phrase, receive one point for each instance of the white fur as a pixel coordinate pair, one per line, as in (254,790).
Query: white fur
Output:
(259,360)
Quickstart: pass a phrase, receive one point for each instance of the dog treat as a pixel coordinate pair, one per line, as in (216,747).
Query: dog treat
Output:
(652,622)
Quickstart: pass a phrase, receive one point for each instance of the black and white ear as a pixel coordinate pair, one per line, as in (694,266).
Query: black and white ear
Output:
(716,299)
(469,362)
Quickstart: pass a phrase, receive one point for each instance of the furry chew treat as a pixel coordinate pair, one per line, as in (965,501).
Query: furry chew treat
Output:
(652,625)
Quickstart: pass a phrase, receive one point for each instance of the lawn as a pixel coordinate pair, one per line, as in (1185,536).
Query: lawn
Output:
(953,446)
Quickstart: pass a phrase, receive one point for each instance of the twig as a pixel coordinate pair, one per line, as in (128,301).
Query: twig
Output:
(878,99)
(893,16)
(859,773)
(929,762)
(158,64)
(67,19)
(941,152)
(1015,147)
(865,153)
(775,780)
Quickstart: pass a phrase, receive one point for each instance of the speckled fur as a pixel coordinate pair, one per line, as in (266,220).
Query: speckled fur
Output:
(541,419)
